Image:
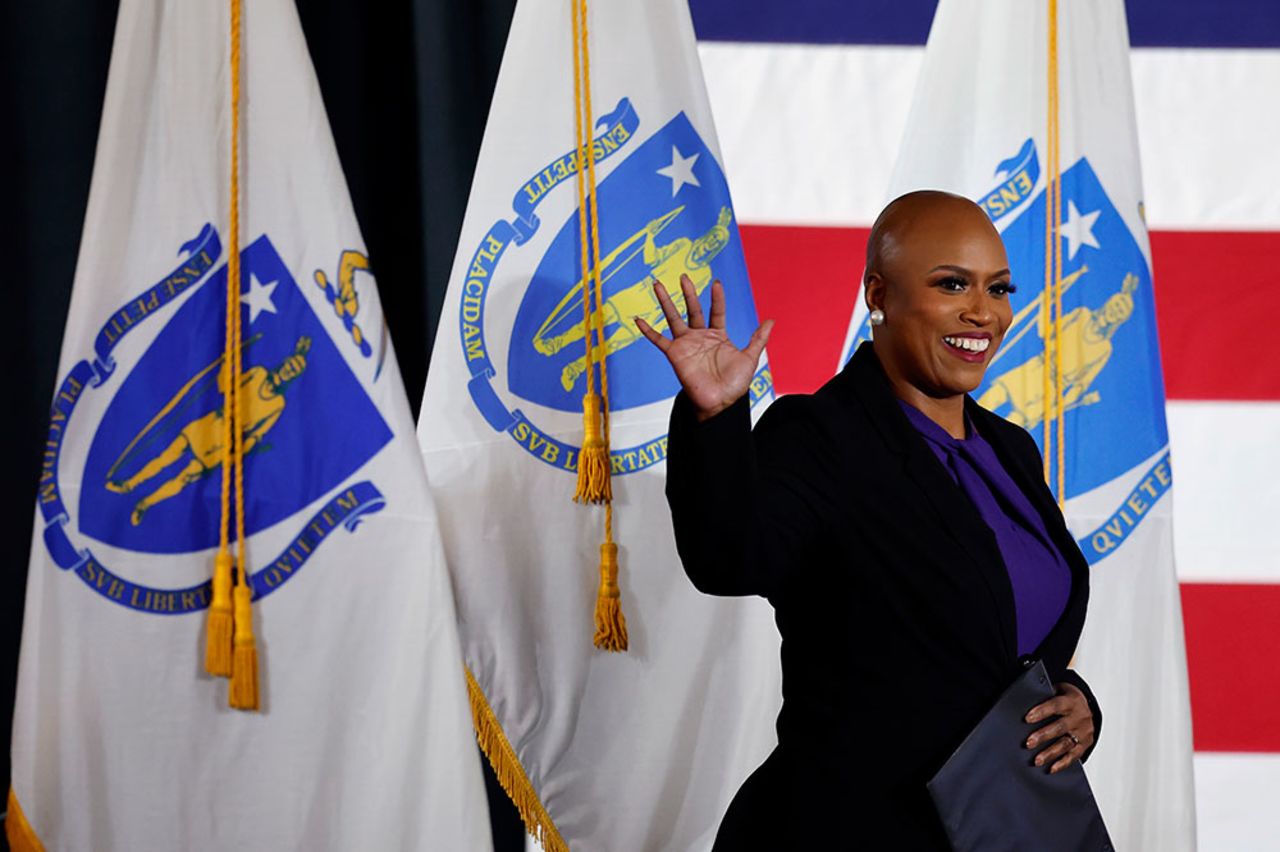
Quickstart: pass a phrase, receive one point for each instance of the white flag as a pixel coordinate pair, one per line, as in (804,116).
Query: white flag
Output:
(120,740)
(979,126)
(641,750)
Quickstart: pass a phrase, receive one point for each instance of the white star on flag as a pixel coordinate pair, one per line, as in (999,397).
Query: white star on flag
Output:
(258,298)
(1078,229)
(680,171)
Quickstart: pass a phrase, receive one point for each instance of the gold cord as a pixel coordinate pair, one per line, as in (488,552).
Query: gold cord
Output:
(595,480)
(1053,388)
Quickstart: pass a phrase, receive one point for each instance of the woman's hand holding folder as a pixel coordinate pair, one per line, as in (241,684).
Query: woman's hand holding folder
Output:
(1070,735)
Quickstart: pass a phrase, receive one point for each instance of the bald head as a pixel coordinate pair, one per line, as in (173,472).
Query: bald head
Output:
(938,278)
(918,215)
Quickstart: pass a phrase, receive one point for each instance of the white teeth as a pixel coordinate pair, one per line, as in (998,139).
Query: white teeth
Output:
(969,344)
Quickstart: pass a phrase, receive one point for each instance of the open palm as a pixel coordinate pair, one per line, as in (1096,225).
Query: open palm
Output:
(713,372)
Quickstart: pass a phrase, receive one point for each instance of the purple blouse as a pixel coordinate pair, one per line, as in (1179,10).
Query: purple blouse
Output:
(1040,576)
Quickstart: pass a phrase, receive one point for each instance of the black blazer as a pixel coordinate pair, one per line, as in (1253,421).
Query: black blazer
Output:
(894,605)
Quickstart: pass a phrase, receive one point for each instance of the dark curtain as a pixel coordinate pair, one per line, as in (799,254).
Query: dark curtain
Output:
(53,73)
(407,85)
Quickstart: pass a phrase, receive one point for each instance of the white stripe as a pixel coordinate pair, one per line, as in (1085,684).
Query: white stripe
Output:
(1236,802)
(809,134)
(1226,473)
(1207,127)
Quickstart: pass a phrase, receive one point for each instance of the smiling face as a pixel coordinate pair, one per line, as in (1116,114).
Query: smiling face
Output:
(937,268)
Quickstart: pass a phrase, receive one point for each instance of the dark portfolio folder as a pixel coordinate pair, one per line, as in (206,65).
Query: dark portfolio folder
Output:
(991,796)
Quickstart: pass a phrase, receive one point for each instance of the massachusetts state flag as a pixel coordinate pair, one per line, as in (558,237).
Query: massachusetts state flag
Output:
(122,741)
(640,750)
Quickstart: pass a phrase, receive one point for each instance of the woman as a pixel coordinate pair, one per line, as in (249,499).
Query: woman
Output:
(904,535)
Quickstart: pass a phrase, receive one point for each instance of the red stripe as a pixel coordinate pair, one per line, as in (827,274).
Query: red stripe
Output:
(1214,297)
(1233,660)
(806,278)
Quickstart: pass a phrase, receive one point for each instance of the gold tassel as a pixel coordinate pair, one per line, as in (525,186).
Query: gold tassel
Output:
(611,626)
(217,648)
(244,673)
(594,482)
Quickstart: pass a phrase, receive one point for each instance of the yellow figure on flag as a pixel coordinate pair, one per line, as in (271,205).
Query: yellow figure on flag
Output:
(343,297)
(1085,350)
(666,263)
(200,441)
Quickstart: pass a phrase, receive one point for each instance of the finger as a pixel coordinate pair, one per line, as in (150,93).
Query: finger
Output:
(654,337)
(1059,706)
(692,304)
(674,320)
(1069,758)
(1048,733)
(1054,751)
(759,338)
(717,304)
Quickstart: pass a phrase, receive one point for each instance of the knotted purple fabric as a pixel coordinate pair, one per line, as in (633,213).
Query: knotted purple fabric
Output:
(1040,576)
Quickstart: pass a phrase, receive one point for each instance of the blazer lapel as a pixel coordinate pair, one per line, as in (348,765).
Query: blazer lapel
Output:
(953,509)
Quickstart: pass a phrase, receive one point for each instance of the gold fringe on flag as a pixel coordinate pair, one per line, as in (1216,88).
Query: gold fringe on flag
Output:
(22,837)
(511,775)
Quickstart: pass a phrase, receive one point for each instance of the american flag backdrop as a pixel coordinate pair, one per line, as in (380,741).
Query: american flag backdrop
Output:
(810,100)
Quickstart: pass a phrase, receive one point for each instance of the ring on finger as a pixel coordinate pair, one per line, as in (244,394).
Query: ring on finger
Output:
(1074,738)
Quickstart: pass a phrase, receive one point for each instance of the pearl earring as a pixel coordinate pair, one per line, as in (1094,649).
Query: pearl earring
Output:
(877,317)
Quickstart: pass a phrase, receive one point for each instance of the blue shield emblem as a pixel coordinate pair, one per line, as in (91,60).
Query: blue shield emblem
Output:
(664,211)
(1114,391)
(152,478)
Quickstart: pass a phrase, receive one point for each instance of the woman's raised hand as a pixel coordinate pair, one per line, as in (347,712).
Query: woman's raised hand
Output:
(713,372)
